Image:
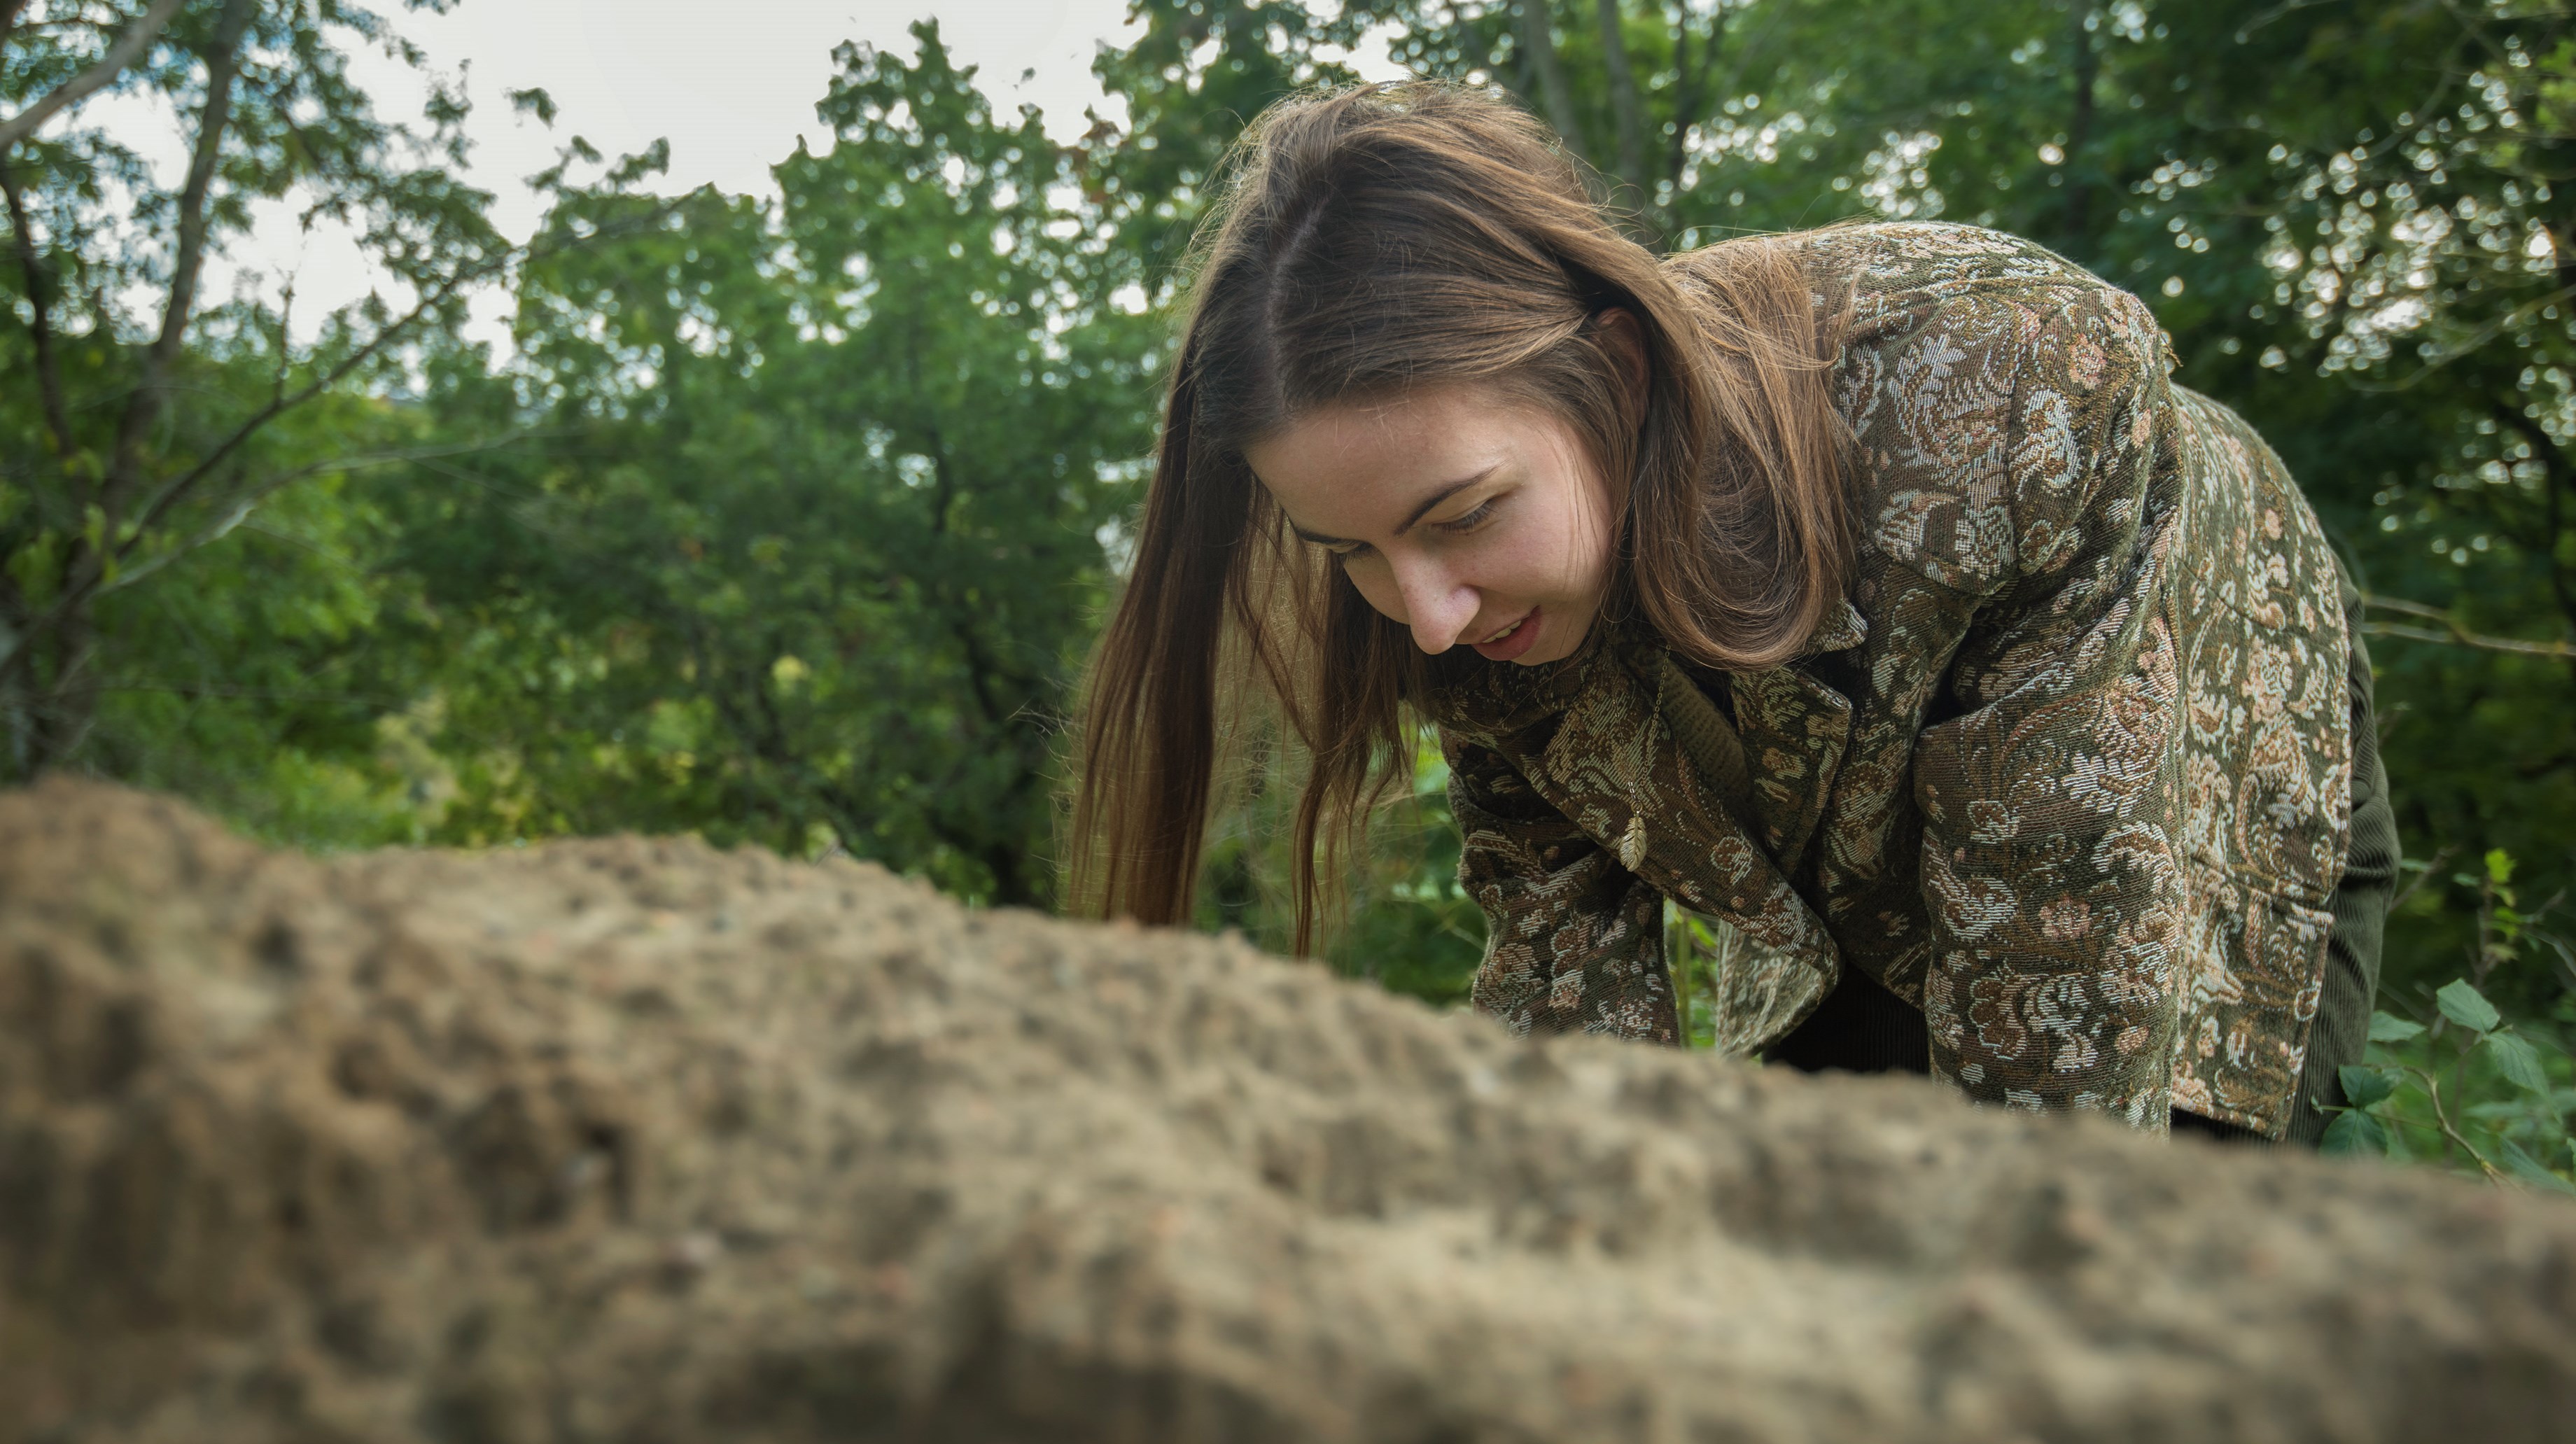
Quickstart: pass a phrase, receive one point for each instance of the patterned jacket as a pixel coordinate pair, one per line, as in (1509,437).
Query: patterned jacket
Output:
(2069,772)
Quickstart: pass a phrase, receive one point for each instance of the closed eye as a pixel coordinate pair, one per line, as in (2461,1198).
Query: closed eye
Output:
(1469,521)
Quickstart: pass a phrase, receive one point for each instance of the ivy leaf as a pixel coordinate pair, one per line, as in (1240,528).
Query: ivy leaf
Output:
(2366,1087)
(2523,1166)
(2388,1028)
(2355,1132)
(2464,1005)
(2518,1060)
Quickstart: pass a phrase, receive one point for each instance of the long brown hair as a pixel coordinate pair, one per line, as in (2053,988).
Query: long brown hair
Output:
(1397,236)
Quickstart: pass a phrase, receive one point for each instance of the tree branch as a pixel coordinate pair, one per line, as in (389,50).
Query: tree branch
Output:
(2432,867)
(82,588)
(49,375)
(282,401)
(127,49)
(242,503)
(2452,633)
(222,66)
(2474,345)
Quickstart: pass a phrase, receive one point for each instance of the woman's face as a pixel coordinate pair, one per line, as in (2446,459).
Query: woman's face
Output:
(1459,511)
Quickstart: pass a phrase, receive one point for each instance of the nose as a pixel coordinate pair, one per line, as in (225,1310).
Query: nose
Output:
(1438,605)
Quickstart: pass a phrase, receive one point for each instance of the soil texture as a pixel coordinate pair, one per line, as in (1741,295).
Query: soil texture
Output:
(634,1140)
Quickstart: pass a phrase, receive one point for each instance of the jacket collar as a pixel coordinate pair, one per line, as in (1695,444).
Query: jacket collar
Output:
(1589,735)
(1842,629)
(1494,700)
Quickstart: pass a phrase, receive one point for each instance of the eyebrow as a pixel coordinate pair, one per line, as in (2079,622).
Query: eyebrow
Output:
(1419,512)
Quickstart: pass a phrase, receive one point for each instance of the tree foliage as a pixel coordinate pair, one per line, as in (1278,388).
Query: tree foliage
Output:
(176,582)
(814,524)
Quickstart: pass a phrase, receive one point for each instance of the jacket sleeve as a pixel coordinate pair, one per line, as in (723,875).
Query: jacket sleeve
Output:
(2052,810)
(1573,941)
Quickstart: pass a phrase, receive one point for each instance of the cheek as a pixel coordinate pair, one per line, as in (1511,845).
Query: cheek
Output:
(1574,549)
(1597,540)
(1596,533)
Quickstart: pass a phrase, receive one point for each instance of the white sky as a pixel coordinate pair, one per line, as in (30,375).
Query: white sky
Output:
(732,85)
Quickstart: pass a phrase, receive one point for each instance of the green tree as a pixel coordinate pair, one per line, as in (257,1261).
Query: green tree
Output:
(813,521)
(179,601)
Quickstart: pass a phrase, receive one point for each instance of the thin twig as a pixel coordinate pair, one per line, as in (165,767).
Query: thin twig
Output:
(143,406)
(2474,345)
(86,587)
(176,490)
(248,499)
(2442,1118)
(2432,865)
(2562,651)
(2452,633)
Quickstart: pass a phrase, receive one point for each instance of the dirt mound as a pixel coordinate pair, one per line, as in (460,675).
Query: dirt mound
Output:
(638,1141)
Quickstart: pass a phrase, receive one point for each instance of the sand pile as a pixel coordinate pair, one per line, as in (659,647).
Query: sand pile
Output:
(633,1140)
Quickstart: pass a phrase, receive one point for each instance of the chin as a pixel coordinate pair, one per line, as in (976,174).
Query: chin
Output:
(1553,652)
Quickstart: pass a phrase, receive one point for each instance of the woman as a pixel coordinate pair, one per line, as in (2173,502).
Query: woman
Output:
(1871,590)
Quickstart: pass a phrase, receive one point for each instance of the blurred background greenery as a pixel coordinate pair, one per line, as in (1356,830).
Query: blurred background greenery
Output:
(787,519)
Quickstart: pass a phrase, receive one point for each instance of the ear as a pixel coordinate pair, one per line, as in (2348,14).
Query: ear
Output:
(1623,339)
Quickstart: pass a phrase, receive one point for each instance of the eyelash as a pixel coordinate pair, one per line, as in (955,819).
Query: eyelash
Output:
(1461,525)
(1455,526)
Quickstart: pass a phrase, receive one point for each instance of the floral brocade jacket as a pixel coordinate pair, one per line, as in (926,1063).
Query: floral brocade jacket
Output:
(2069,772)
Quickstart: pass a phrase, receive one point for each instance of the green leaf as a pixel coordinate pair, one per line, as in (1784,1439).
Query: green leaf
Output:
(2464,1005)
(2525,1167)
(2355,1132)
(2388,1028)
(2499,866)
(2365,1087)
(2516,1059)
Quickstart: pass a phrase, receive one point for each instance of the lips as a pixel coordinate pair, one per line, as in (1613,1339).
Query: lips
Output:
(1520,638)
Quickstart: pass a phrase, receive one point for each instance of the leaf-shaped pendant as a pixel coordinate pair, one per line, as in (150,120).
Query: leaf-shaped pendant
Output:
(1632,843)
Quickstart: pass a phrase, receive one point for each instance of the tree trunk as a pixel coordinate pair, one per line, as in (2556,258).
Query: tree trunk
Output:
(48,663)
(2079,133)
(1625,114)
(60,703)
(1538,40)
(1689,81)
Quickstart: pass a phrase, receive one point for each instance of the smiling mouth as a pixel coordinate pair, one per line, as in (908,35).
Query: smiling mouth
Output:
(1511,642)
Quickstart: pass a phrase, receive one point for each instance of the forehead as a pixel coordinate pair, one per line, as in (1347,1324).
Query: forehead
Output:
(1385,428)
(1345,463)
